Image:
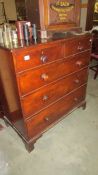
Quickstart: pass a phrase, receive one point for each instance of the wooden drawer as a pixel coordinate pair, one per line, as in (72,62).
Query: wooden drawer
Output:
(77,45)
(34,79)
(40,99)
(37,56)
(45,118)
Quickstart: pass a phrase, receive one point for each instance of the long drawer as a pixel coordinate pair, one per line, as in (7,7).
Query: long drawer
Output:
(34,79)
(37,56)
(45,118)
(77,45)
(34,102)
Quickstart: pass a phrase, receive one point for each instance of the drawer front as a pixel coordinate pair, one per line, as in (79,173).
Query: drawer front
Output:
(38,56)
(47,117)
(34,79)
(77,45)
(35,102)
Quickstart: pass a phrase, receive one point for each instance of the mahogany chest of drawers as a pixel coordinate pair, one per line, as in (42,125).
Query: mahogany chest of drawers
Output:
(42,83)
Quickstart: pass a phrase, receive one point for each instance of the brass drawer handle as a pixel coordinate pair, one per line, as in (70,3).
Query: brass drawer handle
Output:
(79,63)
(77,81)
(44,58)
(44,77)
(91,40)
(80,48)
(45,98)
(46,119)
(76,99)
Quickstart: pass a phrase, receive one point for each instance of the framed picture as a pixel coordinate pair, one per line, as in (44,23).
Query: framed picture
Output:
(2,13)
(95,16)
(59,14)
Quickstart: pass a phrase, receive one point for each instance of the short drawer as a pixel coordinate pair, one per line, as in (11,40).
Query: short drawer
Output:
(34,79)
(42,121)
(37,56)
(77,45)
(35,102)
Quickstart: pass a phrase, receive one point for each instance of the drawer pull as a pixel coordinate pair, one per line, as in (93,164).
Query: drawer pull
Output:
(46,119)
(79,63)
(80,48)
(44,77)
(75,99)
(90,40)
(77,81)
(44,59)
(45,98)
(27,58)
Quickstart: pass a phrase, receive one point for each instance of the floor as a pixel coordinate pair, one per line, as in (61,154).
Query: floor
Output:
(69,148)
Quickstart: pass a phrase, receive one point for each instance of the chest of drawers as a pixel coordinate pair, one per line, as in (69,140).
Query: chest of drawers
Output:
(42,83)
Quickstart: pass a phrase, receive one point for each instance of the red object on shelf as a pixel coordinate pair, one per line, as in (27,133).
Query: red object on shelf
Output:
(19,26)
